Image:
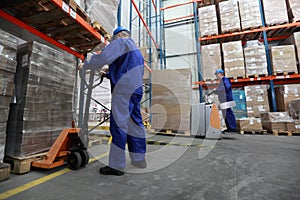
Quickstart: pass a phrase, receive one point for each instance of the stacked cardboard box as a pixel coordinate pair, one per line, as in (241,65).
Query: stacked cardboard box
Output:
(275,12)
(257,100)
(297,44)
(171,99)
(250,14)
(286,93)
(8,63)
(294,108)
(208,22)
(295,8)
(249,124)
(255,58)
(45,80)
(277,121)
(229,16)
(233,59)
(297,125)
(211,60)
(284,59)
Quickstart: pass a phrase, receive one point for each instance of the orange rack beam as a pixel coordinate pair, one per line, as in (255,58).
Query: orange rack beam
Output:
(180,4)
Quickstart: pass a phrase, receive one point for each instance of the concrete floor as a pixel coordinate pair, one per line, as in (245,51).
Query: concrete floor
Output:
(237,167)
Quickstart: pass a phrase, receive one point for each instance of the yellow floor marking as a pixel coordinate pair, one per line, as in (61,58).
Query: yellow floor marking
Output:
(44,179)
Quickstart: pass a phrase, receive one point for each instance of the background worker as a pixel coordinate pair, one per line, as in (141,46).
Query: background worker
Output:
(126,69)
(224,92)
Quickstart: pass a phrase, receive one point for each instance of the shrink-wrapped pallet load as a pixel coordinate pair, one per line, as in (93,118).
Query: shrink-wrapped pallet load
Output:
(284,59)
(208,22)
(250,14)
(229,16)
(211,60)
(275,12)
(257,100)
(286,93)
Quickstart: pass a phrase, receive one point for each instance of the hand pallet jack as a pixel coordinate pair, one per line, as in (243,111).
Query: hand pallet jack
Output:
(69,148)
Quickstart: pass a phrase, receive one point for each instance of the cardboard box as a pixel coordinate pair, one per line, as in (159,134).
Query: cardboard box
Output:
(297,44)
(275,6)
(284,59)
(294,108)
(250,14)
(277,121)
(295,9)
(255,58)
(229,16)
(208,22)
(297,125)
(249,124)
(211,60)
(233,59)
(256,100)
(286,93)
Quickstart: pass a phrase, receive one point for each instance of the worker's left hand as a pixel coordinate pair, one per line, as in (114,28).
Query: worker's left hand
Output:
(80,66)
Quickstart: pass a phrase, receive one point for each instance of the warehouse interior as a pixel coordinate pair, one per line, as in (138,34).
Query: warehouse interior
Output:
(56,115)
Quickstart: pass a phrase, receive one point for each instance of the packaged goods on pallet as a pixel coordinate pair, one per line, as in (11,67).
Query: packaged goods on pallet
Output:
(277,121)
(297,125)
(211,59)
(171,99)
(208,22)
(294,108)
(45,80)
(297,44)
(240,110)
(275,12)
(284,59)
(295,9)
(286,93)
(233,59)
(104,12)
(250,14)
(8,63)
(229,15)
(255,58)
(249,124)
(257,100)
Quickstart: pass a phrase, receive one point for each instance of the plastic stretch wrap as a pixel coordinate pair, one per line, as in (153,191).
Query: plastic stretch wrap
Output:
(45,81)
(297,44)
(275,12)
(250,14)
(208,22)
(104,12)
(255,58)
(277,121)
(171,99)
(211,60)
(249,124)
(294,108)
(286,93)
(284,59)
(257,100)
(295,8)
(233,59)
(8,63)
(229,15)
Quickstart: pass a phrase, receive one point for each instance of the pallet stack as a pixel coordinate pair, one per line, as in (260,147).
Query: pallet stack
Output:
(229,16)
(275,12)
(211,60)
(250,14)
(45,80)
(284,59)
(208,22)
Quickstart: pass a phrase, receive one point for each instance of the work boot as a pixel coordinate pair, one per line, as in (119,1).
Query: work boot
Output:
(140,164)
(110,171)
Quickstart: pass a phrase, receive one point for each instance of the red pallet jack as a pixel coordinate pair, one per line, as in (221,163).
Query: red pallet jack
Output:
(69,148)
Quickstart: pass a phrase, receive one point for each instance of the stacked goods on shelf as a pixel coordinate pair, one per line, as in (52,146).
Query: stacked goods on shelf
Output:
(277,121)
(294,108)
(295,9)
(104,12)
(249,124)
(211,60)
(229,16)
(284,59)
(255,58)
(45,80)
(8,63)
(286,93)
(297,44)
(257,100)
(275,12)
(171,99)
(208,22)
(240,110)
(250,14)
(233,59)
(205,3)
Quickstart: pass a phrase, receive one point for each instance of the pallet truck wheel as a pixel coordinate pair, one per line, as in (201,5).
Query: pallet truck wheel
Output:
(74,160)
(85,158)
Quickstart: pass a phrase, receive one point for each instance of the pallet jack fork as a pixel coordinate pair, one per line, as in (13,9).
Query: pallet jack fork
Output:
(69,148)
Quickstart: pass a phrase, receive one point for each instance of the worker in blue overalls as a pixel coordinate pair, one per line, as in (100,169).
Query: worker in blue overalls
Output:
(224,93)
(126,69)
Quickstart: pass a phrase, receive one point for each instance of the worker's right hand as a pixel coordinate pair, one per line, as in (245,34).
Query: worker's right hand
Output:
(80,66)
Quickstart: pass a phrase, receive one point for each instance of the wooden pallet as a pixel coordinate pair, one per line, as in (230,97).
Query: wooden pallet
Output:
(235,77)
(280,132)
(256,75)
(4,171)
(254,132)
(96,25)
(285,73)
(251,28)
(170,132)
(22,165)
(78,10)
(205,3)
